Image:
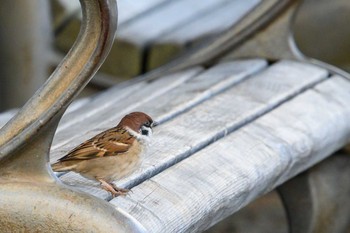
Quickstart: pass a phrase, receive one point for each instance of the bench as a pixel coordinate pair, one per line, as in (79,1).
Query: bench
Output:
(229,133)
(137,50)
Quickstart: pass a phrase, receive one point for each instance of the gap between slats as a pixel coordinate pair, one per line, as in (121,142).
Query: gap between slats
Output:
(221,134)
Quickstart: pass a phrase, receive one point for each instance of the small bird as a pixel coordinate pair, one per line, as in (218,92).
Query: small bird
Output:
(112,154)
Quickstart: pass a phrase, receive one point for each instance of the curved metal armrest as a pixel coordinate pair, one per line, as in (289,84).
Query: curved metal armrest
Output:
(30,196)
(36,122)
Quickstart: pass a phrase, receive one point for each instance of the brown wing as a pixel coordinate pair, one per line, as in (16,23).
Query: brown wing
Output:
(108,143)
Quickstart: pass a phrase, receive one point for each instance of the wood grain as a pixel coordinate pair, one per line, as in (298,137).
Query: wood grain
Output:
(68,17)
(113,107)
(132,40)
(205,26)
(130,10)
(194,87)
(141,24)
(6,116)
(229,134)
(228,174)
(178,138)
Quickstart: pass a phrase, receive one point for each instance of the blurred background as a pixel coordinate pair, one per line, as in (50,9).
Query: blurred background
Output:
(35,35)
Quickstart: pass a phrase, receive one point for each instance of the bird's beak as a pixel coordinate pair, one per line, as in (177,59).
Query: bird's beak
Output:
(155,123)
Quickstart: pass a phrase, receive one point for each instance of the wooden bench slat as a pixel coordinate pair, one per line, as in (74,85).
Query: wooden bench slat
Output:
(202,87)
(113,109)
(128,52)
(179,138)
(204,26)
(172,104)
(6,116)
(190,93)
(129,10)
(230,173)
(97,104)
(141,24)
(161,21)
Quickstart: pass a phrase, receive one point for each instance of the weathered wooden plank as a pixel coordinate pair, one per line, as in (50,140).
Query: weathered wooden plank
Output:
(69,17)
(6,116)
(204,26)
(61,10)
(196,128)
(202,87)
(225,176)
(155,25)
(227,111)
(173,102)
(129,9)
(192,92)
(100,102)
(127,54)
(112,107)
(143,22)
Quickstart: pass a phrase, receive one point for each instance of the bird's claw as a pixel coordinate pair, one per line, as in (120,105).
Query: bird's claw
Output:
(113,189)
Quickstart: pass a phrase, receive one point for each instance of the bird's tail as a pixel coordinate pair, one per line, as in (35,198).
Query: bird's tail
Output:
(62,166)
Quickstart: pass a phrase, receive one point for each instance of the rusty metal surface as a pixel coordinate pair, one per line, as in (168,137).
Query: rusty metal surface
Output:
(317,201)
(32,199)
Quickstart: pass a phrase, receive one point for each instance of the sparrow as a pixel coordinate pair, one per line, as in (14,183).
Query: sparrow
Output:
(112,154)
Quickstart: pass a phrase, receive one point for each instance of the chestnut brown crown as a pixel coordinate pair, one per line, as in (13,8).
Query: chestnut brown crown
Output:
(136,120)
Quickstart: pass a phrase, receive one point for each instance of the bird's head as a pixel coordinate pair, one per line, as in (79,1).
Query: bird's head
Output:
(139,124)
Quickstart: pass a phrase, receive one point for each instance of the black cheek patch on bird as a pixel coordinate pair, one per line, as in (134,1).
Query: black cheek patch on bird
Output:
(144,132)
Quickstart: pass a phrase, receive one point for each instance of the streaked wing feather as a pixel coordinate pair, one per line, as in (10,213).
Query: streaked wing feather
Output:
(108,143)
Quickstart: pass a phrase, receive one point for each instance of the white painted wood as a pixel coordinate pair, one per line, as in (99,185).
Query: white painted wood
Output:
(6,116)
(161,109)
(97,104)
(212,119)
(143,22)
(202,87)
(228,174)
(165,19)
(173,101)
(111,107)
(222,17)
(61,10)
(130,9)
(77,104)
(132,39)
(202,27)
(127,9)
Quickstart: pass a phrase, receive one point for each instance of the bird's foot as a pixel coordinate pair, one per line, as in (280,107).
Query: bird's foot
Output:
(113,189)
